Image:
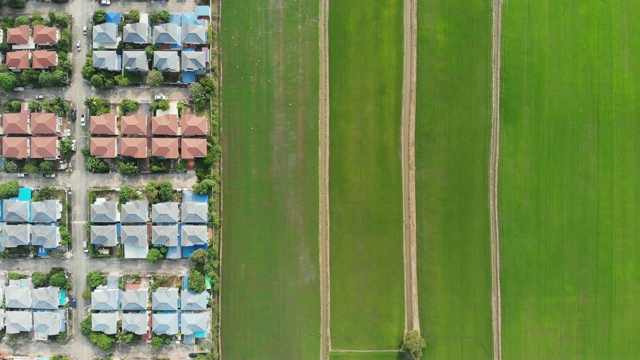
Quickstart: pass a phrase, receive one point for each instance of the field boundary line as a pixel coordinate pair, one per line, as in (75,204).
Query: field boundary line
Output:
(365,351)
(412,318)
(496,301)
(323,170)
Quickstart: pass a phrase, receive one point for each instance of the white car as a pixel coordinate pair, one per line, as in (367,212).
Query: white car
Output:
(78,46)
(159,97)
(84,30)
(105,2)
(73,145)
(39,97)
(67,132)
(82,122)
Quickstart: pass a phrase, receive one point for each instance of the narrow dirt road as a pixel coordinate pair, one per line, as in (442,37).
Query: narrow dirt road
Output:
(496,303)
(412,318)
(325,276)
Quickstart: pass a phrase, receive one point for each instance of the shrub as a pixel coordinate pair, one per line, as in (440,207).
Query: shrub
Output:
(196,281)
(95,279)
(154,255)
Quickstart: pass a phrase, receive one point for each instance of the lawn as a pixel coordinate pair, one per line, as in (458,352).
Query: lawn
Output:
(570,154)
(270,296)
(365,178)
(453,125)
(367,356)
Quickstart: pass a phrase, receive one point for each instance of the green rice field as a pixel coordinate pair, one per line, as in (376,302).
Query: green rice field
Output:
(570,156)
(453,124)
(365,179)
(367,356)
(271,294)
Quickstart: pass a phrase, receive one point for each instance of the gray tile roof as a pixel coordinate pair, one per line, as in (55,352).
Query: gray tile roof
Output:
(166,235)
(135,212)
(164,300)
(194,301)
(104,212)
(106,33)
(16,211)
(17,297)
(18,321)
(46,323)
(193,235)
(136,323)
(104,235)
(166,61)
(105,322)
(135,60)
(194,34)
(14,235)
(106,60)
(135,33)
(134,235)
(47,236)
(194,60)
(165,213)
(168,33)
(166,324)
(135,300)
(104,299)
(44,211)
(195,212)
(46,298)
(191,323)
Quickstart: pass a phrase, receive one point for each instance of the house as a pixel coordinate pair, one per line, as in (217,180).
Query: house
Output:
(45,211)
(135,124)
(135,60)
(45,35)
(14,235)
(105,35)
(45,147)
(105,299)
(164,299)
(195,212)
(18,321)
(164,324)
(166,148)
(17,297)
(133,147)
(105,124)
(104,235)
(166,34)
(18,60)
(104,148)
(107,60)
(193,235)
(193,148)
(136,322)
(20,38)
(166,235)
(106,322)
(194,61)
(16,123)
(104,212)
(44,123)
(193,125)
(135,212)
(15,147)
(165,213)
(134,239)
(193,323)
(193,34)
(137,33)
(166,124)
(47,236)
(46,298)
(47,323)
(135,300)
(16,211)
(44,59)
(166,61)
(194,301)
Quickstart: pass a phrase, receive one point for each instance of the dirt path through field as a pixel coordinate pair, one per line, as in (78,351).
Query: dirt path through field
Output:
(325,276)
(493,182)
(412,318)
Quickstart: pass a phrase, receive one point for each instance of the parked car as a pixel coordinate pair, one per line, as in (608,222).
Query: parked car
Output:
(39,97)
(105,2)
(73,145)
(78,46)
(67,132)
(22,175)
(73,303)
(49,175)
(159,97)
(82,122)
(84,30)
(84,246)
(19,88)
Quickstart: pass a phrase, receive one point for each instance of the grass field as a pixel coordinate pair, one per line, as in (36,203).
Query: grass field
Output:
(570,156)
(453,123)
(367,356)
(271,304)
(367,298)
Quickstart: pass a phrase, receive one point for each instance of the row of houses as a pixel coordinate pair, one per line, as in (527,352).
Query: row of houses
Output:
(190,325)
(137,61)
(143,125)
(23,38)
(41,147)
(162,300)
(138,148)
(42,323)
(36,59)
(35,212)
(26,122)
(137,212)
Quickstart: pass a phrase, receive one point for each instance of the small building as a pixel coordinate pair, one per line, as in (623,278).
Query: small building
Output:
(104,148)
(193,34)
(165,213)
(107,60)
(105,35)
(16,211)
(135,300)
(192,324)
(135,241)
(164,299)
(18,60)
(137,33)
(165,324)
(135,125)
(45,35)
(166,124)
(105,299)
(47,323)
(166,61)
(194,301)
(18,321)
(105,322)
(192,148)
(45,147)
(136,322)
(104,212)
(193,125)
(195,212)
(133,147)
(15,147)
(166,34)
(194,61)
(44,123)
(164,235)
(14,235)
(105,124)
(16,123)
(135,212)
(45,211)
(44,59)
(20,35)
(135,60)
(193,235)
(46,236)
(17,297)
(46,298)
(104,235)
(165,148)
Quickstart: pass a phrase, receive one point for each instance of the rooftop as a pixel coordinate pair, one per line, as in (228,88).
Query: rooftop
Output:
(44,147)
(103,147)
(104,124)
(133,147)
(166,148)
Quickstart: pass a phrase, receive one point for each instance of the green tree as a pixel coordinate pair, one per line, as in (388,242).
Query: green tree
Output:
(134,15)
(102,341)
(121,80)
(196,281)
(198,94)
(10,166)
(154,255)
(157,342)
(99,17)
(97,81)
(96,165)
(127,168)
(35,106)
(39,279)
(413,344)
(8,81)
(21,20)
(97,106)
(125,336)
(9,189)
(86,294)
(47,167)
(12,107)
(16,4)
(127,105)
(199,258)
(65,148)
(95,279)
(85,326)
(204,187)
(154,78)
(158,16)
(65,237)
(30,168)
(59,279)
(5,48)
(208,84)
(159,104)
(126,193)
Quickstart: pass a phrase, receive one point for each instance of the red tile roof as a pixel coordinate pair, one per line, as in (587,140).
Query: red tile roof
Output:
(15,147)
(44,147)
(134,124)
(103,147)
(134,147)
(19,35)
(165,125)
(165,147)
(45,34)
(43,59)
(18,59)
(193,148)
(15,123)
(104,124)
(194,125)
(43,123)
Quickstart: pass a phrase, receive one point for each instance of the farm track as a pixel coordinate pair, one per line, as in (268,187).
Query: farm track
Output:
(412,318)
(323,164)
(494,157)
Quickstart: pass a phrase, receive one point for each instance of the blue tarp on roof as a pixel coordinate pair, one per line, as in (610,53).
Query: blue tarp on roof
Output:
(188,18)
(175,19)
(114,17)
(190,196)
(24,194)
(203,11)
(188,77)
